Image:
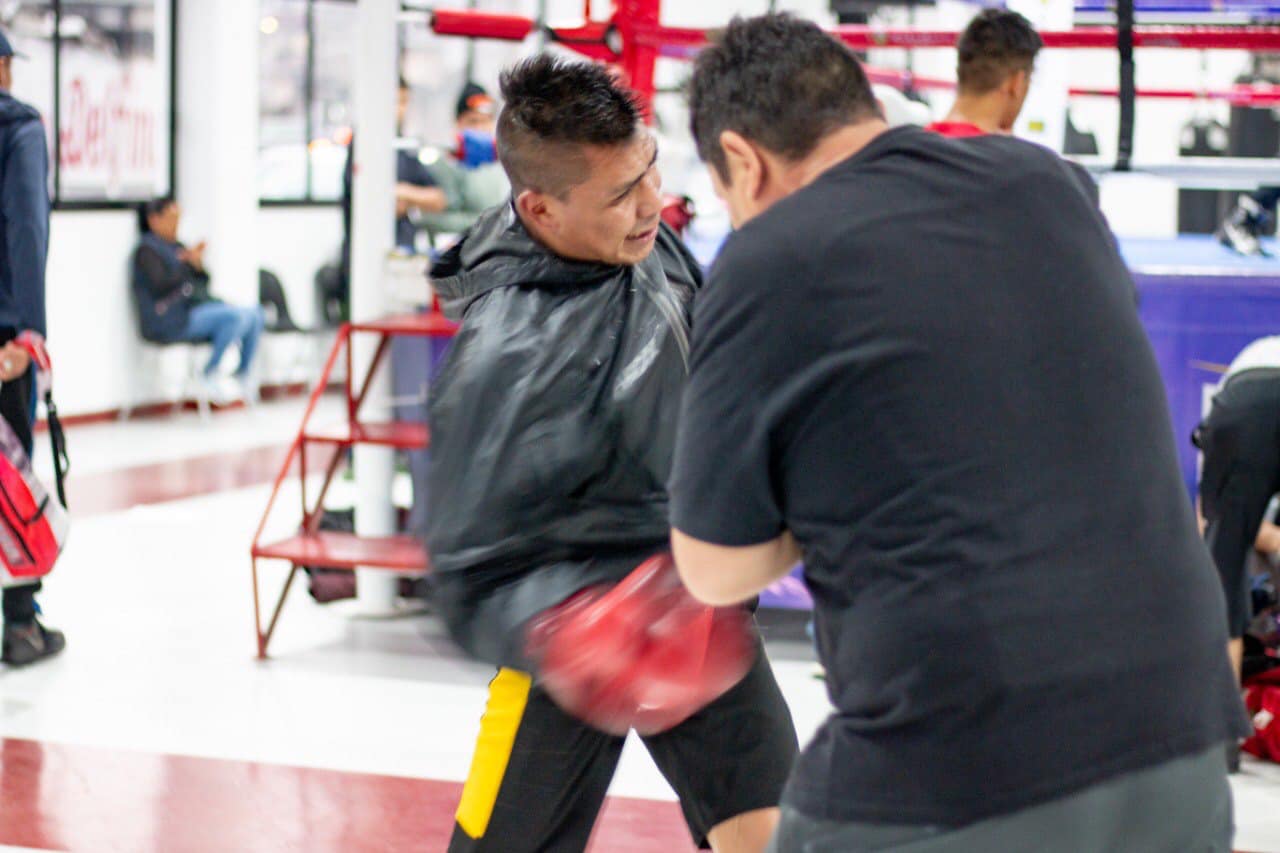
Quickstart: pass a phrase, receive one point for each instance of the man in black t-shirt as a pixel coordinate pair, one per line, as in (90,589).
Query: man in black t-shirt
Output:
(917,365)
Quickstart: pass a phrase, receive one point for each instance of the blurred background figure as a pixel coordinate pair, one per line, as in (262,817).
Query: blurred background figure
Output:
(171,289)
(469,174)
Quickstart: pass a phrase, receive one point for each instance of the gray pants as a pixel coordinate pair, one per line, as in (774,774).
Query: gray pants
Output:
(1183,806)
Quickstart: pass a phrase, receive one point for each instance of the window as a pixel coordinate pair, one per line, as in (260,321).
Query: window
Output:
(104,86)
(437,67)
(307,68)
(332,112)
(307,76)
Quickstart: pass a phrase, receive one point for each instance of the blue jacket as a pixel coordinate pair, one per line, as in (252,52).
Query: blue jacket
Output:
(24,215)
(165,289)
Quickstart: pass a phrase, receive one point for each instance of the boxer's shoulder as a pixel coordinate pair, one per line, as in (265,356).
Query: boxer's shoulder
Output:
(679,264)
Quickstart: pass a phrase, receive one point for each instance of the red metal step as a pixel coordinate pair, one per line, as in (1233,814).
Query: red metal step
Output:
(330,550)
(430,325)
(404,435)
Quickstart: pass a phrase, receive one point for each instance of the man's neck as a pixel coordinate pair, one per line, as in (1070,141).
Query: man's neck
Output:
(982,112)
(834,149)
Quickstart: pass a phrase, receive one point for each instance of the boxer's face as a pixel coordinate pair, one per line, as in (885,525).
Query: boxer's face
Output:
(610,217)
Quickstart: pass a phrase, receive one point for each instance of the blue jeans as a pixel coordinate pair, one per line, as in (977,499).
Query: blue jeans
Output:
(222,325)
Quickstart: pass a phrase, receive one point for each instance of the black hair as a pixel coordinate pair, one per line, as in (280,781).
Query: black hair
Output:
(155,207)
(779,81)
(996,43)
(552,107)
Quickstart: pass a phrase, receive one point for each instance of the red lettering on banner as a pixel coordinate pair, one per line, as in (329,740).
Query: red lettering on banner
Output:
(70,140)
(92,140)
(101,130)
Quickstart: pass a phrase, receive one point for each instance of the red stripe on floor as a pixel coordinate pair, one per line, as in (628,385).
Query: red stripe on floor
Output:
(112,491)
(78,798)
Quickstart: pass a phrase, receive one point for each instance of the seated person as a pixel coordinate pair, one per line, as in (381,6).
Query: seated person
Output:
(417,192)
(470,175)
(171,288)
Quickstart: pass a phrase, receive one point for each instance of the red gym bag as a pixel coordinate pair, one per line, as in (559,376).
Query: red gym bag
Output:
(1262,698)
(33,526)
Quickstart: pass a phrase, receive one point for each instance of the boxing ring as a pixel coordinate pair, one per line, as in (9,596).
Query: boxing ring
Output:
(1199,303)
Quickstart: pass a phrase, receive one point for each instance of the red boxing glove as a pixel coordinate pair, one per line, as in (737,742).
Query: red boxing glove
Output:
(641,655)
(678,211)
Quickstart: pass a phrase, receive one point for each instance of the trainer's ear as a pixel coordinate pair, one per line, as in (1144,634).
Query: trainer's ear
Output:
(747,168)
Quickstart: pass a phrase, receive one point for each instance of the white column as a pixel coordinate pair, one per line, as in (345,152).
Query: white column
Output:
(1044,116)
(373,214)
(217,133)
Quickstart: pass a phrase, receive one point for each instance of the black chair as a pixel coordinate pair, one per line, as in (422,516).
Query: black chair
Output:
(306,360)
(331,295)
(274,304)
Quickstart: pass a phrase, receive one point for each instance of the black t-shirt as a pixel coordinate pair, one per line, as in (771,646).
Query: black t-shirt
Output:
(928,366)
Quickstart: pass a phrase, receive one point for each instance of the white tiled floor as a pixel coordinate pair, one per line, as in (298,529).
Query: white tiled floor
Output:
(114,445)
(156,604)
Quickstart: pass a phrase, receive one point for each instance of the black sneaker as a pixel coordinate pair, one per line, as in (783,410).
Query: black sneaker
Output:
(30,642)
(1239,232)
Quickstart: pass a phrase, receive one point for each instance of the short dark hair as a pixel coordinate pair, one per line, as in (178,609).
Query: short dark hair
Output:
(155,207)
(551,108)
(996,43)
(777,80)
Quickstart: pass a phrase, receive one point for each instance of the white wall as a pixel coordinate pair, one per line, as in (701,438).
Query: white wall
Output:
(92,334)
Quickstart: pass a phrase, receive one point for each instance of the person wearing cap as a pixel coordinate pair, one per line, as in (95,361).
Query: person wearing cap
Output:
(24,244)
(442,192)
(470,175)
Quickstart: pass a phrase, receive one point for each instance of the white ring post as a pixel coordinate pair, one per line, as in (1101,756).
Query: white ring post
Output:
(373,214)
